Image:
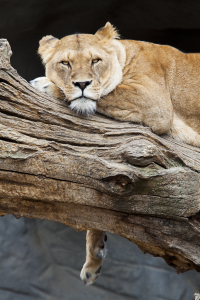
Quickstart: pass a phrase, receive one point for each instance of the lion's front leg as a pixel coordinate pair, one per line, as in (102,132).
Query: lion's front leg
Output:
(95,254)
(45,85)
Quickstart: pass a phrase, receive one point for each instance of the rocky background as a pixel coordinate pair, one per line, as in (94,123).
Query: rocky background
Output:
(42,259)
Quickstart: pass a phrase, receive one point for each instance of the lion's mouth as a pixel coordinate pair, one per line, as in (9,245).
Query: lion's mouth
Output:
(83,105)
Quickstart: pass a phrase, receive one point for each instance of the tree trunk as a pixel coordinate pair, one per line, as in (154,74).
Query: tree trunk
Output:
(95,172)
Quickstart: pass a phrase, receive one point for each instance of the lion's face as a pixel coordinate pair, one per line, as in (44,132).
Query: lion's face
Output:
(86,67)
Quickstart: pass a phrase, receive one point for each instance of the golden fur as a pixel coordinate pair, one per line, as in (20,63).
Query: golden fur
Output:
(135,81)
(155,85)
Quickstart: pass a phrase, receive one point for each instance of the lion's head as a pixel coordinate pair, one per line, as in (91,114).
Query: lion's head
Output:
(85,66)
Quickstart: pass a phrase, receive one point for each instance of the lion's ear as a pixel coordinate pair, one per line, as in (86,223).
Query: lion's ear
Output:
(107,32)
(47,44)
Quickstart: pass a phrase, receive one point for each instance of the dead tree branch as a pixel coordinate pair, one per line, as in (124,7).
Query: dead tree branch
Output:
(95,172)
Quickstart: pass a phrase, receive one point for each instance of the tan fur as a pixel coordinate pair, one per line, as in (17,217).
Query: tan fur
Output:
(95,254)
(134,81)
(155,85)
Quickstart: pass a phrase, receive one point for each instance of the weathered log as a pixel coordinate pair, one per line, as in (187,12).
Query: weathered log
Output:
(95,172)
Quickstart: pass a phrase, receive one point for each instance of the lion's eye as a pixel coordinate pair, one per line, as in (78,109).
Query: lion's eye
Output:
(66,63)
(96,60)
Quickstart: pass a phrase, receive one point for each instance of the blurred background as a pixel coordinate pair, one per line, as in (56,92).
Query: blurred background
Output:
(42,259)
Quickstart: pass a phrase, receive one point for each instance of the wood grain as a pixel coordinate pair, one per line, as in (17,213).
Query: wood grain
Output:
(95,172)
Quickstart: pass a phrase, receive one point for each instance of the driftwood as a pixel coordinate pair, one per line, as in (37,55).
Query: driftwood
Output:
(95,172)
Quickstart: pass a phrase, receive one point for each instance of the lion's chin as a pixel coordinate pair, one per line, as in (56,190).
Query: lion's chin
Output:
(83,106)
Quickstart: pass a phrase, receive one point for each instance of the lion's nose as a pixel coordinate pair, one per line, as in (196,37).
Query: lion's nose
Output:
(82,85)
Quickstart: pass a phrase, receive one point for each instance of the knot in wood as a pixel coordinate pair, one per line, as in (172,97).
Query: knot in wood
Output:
(120,184)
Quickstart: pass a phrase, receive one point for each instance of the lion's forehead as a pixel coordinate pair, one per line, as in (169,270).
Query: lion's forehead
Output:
(78,42)
(79,47)
(78,56)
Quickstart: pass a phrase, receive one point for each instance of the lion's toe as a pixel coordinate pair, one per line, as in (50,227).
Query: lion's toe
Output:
(90,274)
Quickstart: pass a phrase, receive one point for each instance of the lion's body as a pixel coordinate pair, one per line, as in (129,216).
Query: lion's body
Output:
(156,85)
(160,88)
(135,81)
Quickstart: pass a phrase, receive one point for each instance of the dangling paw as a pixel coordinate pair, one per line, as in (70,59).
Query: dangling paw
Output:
(96,252)
(45,85)
(90,273)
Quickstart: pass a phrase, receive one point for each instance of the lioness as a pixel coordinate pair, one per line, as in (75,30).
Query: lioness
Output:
(156,85)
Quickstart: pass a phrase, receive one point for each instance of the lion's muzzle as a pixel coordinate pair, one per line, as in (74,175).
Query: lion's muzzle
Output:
(83,106)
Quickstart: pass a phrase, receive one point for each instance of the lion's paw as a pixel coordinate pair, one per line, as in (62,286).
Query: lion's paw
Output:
(45,85)
(94,259)
(90,273)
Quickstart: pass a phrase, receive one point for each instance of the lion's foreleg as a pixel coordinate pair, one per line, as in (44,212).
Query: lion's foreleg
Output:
(95,254)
